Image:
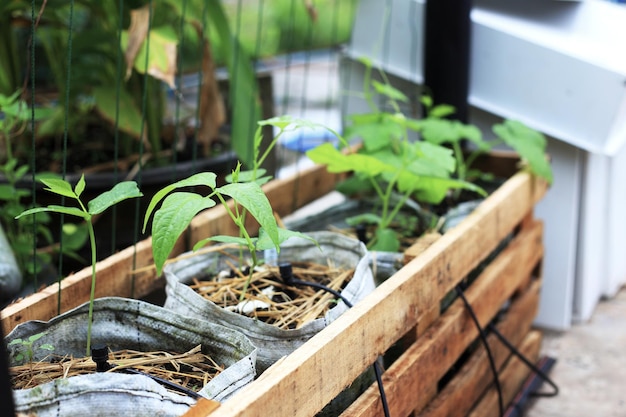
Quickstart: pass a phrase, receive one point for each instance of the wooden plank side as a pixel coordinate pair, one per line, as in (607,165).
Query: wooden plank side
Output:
(512,377)
(462,392)
(425,362)
(113,279)
(461,249)
(203,407)
(308,378)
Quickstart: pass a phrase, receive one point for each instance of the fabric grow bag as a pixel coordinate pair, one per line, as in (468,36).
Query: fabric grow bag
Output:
(124,323)
(272,342)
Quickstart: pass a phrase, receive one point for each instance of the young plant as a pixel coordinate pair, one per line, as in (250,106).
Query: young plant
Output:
(243,187)
(528,143)
(120,192)
(26,351)
(391,165)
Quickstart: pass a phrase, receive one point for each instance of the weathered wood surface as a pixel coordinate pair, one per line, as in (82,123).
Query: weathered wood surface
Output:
(461,393)
(202,408)
(430,357)
(130,273)
(407,303)
(310,377)
(512,377)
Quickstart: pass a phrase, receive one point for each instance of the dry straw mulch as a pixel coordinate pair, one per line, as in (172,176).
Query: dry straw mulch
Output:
(267,299)
(191,369)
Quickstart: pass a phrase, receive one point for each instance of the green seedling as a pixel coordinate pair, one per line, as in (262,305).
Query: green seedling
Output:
(527,142)
(396,168)
(26,350)
(120,192)
(178,208)
(389,164)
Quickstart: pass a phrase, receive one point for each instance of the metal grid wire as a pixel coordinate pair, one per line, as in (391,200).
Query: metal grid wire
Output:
(57,53)
(71,59)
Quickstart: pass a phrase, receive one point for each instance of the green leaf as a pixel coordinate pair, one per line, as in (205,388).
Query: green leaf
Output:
(354,184)
(529,143)
(75,236)
(14,342)
(253,199)
(376,134)
(36,337)
(246,176)
(80,186)
(120,192)
(368,218)
(337,161)
(207,179)
(433,190)
(161,39)
(365,61)
(386,240)
(441,110)
(222,239)
(46,346)
(389,91)
(440,131)
(175,214)
(21,172)
(265,242)
(431,159)
(281,122)
(129,117)
(59,186)
(72,211)
(7,192)
(427,101)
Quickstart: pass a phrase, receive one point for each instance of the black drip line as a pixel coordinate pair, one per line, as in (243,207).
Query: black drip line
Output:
(100,355)
(286,274)
(483,336)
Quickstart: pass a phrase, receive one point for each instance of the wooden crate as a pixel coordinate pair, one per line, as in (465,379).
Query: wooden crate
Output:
(403,311)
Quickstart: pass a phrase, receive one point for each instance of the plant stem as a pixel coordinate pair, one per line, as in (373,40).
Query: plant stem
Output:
(92,294)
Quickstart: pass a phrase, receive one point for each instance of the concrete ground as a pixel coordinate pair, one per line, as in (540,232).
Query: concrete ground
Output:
(591,366)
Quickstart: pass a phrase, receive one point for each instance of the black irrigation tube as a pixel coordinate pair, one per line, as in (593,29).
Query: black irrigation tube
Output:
(529,389)
(287,276)
(483,336)
(100,355)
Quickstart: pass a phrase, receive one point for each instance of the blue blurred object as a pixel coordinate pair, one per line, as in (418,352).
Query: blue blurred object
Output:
(302,140)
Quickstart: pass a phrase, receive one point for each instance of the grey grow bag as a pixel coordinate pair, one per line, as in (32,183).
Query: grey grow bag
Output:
(273,343)
(130,324)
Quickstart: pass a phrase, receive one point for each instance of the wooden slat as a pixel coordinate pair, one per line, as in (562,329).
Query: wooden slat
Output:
(311,376)
(113,279)
(462,392)
(130,273)
(426,361)
(512,377)
(203,407)
(421,244)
